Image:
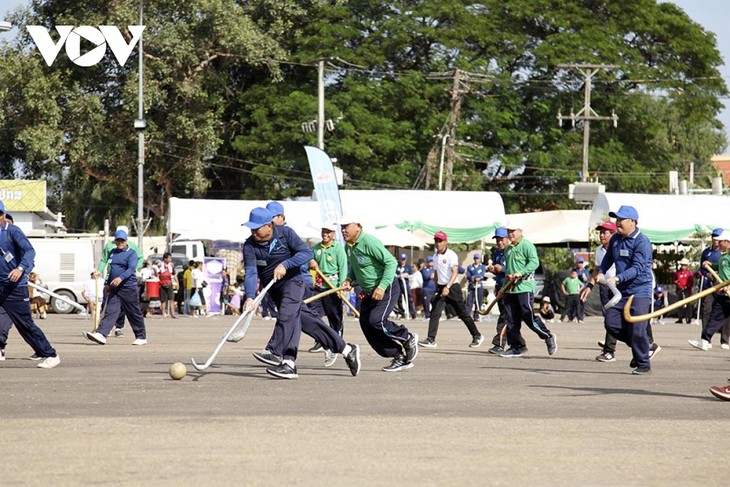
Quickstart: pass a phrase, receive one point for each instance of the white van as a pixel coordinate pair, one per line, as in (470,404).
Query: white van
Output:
(64,265)
(192,249)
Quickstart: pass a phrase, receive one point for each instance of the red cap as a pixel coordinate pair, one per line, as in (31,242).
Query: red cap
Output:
(440,236)
(609,225)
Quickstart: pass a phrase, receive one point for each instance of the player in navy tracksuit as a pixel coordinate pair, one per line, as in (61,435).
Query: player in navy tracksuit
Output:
(277,252)
(630,250)
(17,258)
(123,293)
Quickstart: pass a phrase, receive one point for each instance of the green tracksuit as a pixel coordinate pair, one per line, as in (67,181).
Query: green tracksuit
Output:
(521,258)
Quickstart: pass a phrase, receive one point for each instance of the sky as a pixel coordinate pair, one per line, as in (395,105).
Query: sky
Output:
(712,15)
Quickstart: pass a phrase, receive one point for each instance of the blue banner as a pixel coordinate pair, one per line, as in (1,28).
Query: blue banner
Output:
(325,184)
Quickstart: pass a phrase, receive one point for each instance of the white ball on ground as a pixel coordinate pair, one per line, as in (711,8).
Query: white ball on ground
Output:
(178,370)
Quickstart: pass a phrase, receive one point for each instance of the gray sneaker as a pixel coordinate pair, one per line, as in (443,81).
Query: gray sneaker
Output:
(329,358)
(552,345)
(476,341)
(496,350)
(118,332)
(427,343)
(267,358)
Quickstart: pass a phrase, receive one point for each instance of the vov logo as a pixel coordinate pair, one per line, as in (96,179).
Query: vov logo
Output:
(71,36)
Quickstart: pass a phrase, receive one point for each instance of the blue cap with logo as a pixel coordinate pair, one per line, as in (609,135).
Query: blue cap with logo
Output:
(403,256)
(625,212)
(258,218)
(120,235)
(500,232)
(275,208)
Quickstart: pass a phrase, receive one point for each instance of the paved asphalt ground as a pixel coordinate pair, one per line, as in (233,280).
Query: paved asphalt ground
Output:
(111,415)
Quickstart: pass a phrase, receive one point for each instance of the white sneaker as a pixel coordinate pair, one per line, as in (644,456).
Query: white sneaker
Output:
(724,346)
(95,337)
(703,345)
(140,341)
(49,362)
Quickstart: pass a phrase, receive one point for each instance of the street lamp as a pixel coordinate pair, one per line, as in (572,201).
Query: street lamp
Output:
(5,26)
(139,125)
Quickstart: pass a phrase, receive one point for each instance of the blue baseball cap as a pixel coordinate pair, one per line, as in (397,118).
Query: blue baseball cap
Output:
(258,218)
(580,260)
(717,232)
(625,212)
(477,256)
(120,234)
(500,232)
(2,207)
(429,258)
(403,256)
(659,290)
(275,208)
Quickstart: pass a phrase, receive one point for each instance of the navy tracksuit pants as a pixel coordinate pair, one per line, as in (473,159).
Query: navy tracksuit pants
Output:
(384,336)
(518,309)
(633,334)
(120,302)
(16,303)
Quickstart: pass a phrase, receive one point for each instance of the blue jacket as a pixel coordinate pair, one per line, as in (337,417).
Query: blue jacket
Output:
(713,256)
(475,272)
(429,285)
(498,258)
(261,258)
(632,256)
(123,263)
(15,250)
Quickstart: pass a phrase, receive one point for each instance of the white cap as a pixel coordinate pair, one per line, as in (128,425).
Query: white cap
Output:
(546,299)
(124,228)
(725,235)
(346,219)
(684,261)
(512,225)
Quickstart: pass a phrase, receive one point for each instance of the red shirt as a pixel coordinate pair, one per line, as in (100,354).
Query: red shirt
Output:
(684,278)
(165,272)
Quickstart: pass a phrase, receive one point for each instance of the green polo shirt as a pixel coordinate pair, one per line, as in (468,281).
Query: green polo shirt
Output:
(572,285)
(332,261)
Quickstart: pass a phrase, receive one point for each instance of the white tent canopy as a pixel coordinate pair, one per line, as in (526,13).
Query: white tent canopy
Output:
(222,219)
(549,227)
(667,218)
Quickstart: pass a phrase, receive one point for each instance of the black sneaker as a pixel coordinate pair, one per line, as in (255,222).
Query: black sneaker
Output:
(632,364)
(601,345)
(476,341)
(428,343)
(512,352)
(641,371)
(399,363)
(496,350)
(411,347)
(283,371)
(353,359)
(316,348)
(267,357)
(552,345)
(654,349)
(606,357)
(118,333)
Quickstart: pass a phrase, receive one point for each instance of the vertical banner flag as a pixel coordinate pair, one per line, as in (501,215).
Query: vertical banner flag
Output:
(212,267)
(325,184)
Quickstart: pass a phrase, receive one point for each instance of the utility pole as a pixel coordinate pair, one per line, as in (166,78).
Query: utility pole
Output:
(140,124)
(320,104)
(586,114)
(457,94)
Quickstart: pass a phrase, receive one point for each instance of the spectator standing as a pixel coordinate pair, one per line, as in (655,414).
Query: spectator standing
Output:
(684,281)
